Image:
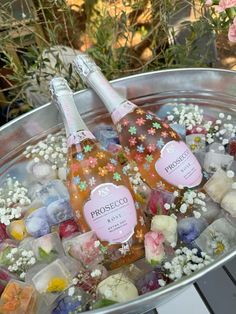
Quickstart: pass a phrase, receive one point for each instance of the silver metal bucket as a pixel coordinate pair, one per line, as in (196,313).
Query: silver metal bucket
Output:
(211,88)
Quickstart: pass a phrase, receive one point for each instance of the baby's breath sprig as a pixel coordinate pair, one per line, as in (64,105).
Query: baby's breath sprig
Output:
(53,150)
(191,200)
(19,261)
(188,116)
(221,130)
(186,262)
(13,197)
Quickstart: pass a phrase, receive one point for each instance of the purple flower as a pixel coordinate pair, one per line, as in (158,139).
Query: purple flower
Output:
(190,228)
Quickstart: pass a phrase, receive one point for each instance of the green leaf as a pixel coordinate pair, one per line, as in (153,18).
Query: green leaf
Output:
(43,254)
(3,259)
(103,303)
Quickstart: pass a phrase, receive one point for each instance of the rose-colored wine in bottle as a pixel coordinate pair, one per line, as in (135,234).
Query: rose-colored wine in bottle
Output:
(163,159)
(100,194)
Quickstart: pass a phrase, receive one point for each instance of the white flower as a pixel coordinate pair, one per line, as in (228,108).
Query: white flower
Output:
(230,174)
(75,281)
(71,291)
(183,208)
(124,249)
(161,282)
(167,206)
(97,243)
(14,250)
(96,273)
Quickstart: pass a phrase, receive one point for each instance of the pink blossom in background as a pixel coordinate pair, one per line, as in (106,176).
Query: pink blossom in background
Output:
(225,4)
(209,3)
(232,31)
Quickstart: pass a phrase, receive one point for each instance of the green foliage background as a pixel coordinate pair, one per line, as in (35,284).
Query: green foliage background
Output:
(124,38)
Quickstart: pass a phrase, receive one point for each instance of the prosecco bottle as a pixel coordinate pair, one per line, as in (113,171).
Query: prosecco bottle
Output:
(101,196)
(163,159)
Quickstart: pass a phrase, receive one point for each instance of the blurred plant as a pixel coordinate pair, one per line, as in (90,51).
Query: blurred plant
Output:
(222,16)
(123,36)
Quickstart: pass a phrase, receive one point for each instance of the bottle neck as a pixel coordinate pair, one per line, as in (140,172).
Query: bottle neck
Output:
(109,96)
(70,115)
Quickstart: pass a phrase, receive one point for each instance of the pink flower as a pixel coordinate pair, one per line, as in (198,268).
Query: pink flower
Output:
(209,3)
(92,161)
(154,249)
(110,167)
(151,148)
(225,4)
(232,31)
(151,131)
(132,141)
(140,121)
(158,198)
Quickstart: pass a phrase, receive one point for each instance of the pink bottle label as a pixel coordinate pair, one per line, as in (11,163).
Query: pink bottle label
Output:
(79,136)
(122,110)
(178,166)
(111,213)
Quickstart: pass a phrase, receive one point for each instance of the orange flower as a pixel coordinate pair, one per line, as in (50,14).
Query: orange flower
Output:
(102,171)
(172,134)
(100,155)
(140,111)
(140,235)
(15,297)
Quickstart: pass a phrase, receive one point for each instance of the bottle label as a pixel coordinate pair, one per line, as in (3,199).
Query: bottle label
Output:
(111,213)
(122,110)
(178,166)
(78,137)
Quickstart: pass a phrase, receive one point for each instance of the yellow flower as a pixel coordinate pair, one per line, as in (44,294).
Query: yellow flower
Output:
(219,248)
(197,139)
(193,147)
(57,284)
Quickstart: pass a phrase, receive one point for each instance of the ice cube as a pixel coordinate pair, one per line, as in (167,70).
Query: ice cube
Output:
(41,171)
(228,203)
(217,238)
(18,297)
(68,228)
(59,211)
(165,109)
(196,142)
(52,191)
(83,248)
(200,157)
(37,223)
(158,201)
(216,148)
(52,279)
(150,281)
(72,300)
(190,228)
(218,185)
(213,211)
(107,137)
(48,247)
(106,134)
(214,161)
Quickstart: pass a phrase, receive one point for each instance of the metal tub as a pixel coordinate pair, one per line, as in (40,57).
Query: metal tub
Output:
(211,88)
